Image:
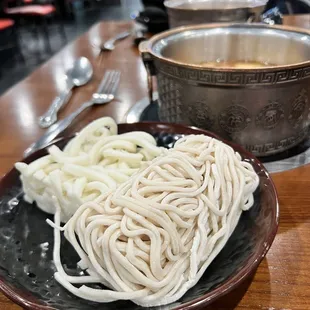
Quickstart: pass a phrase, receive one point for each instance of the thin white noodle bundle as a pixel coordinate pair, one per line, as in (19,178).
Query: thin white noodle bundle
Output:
(92,163)
(152,238)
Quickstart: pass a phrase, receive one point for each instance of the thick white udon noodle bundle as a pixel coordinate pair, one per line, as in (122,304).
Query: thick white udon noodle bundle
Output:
(92,163)
(152,238)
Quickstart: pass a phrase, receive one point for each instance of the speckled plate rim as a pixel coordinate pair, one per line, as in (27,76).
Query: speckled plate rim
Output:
(28,301)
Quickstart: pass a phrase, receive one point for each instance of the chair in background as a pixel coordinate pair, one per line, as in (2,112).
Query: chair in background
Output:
(40,14)
(9,42)
(6,23)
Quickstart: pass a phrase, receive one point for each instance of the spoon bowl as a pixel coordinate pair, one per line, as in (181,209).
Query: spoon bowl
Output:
(109,45)
(81,72)
(78,75)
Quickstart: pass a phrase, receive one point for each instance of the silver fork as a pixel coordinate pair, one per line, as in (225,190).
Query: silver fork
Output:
(104,94)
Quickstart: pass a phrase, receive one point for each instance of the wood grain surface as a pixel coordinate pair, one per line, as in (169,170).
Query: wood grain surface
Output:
(282,280)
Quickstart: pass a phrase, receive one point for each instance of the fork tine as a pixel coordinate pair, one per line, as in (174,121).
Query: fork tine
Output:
(104,82)
(112,82)
(109,83)
(115,82)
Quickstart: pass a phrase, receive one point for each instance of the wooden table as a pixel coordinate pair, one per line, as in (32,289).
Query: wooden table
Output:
(282,280)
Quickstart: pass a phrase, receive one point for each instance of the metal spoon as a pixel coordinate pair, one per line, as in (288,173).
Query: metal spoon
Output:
(109,45)
(105,93)
(78,75)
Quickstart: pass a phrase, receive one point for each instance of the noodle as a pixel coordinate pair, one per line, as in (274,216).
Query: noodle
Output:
(92,163)
(152,238)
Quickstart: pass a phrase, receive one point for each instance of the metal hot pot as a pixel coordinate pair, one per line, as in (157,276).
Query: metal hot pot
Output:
(189,12)
(264,109)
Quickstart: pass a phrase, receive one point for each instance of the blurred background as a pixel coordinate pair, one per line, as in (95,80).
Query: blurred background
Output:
(31,31)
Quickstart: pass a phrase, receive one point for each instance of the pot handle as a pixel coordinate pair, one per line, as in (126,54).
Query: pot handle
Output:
(149,66)
(251,18)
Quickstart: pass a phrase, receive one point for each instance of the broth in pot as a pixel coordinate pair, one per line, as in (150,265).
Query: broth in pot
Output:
(235,64)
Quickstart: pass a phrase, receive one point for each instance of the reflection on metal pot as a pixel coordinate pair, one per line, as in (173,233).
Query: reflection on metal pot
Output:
(265,109)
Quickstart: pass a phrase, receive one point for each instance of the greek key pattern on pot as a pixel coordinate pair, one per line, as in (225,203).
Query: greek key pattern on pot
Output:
(233,77)
(269,148)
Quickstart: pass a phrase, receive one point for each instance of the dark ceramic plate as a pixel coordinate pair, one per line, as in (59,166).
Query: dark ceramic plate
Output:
(26,267)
